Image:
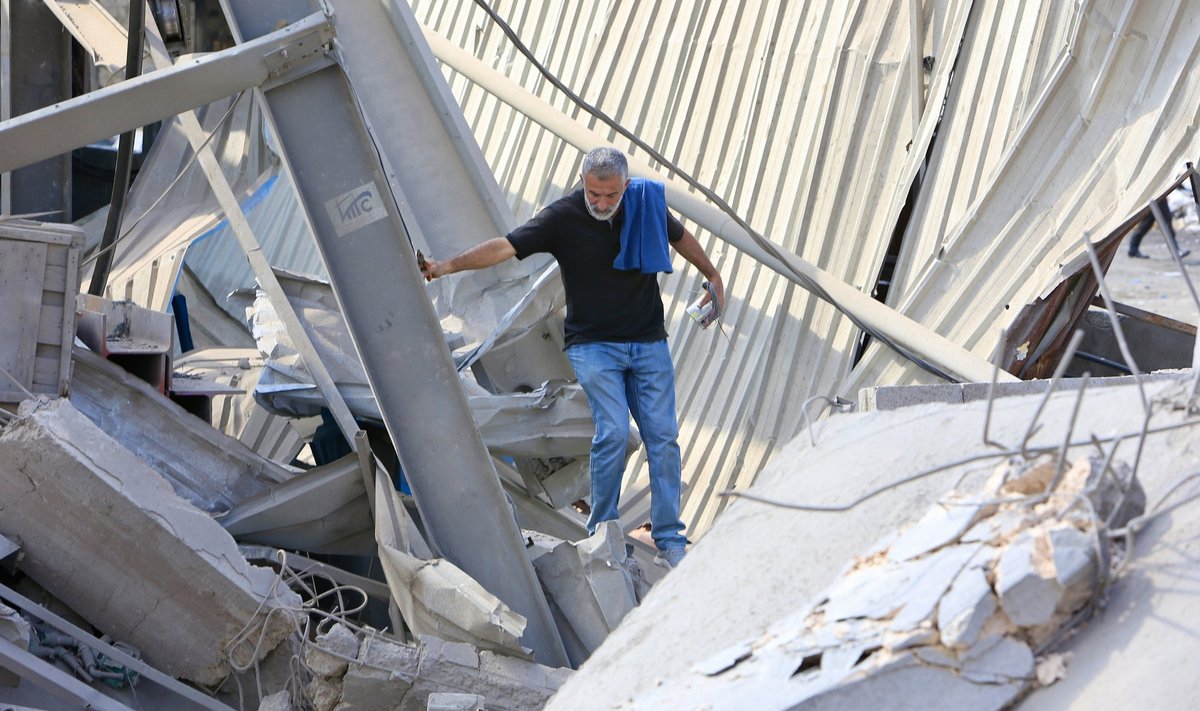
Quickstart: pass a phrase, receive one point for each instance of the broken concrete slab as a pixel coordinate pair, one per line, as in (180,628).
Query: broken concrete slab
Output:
(774,556)
(208,468)
(137,561)
(508,683)
(332,651)
(965,608)
(382,675)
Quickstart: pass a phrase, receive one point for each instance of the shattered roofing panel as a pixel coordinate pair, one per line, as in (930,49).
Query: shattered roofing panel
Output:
(1112,126)
(799,114)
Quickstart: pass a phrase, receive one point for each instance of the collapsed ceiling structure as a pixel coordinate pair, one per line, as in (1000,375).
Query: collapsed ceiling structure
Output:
(891,159)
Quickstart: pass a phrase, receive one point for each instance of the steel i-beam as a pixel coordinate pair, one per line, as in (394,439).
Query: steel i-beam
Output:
(195,82)
(364,242)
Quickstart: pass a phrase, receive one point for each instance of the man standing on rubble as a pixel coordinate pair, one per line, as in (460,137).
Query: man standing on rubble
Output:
(610,239)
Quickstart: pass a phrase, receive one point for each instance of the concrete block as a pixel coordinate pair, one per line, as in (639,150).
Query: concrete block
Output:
(383,675)
(340,640)
(204,465)
(1026,580)
(324,694)
(109,537)
(280,701)
(894,397)
(1074,565)
(507,683)
(965,608)
(455,702)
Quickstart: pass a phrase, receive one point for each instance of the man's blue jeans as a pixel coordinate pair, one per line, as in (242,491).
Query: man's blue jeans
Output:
(638,378)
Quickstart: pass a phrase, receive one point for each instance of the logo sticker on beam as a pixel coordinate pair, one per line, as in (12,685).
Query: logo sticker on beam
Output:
(355,209)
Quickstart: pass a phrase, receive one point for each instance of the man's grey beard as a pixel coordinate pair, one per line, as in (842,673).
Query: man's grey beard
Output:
(607,214)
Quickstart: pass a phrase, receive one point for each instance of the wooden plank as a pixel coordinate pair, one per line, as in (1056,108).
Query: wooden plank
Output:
(50,326)
(22,274)
(56,276)
(56,256)
(28,232)
(45,374)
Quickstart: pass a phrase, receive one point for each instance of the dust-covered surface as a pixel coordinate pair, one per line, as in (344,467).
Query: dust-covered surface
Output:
(761,563)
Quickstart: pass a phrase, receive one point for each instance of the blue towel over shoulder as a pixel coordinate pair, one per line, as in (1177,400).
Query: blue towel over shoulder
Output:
(644,230)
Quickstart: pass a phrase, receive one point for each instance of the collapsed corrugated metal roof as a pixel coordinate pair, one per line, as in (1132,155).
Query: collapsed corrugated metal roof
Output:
(813,120)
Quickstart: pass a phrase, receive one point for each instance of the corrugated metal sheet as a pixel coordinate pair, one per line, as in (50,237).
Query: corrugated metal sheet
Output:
(798,114)
(803,117)
(813,119)
(1067,119)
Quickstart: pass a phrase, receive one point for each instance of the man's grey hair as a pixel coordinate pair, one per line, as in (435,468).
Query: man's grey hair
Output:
(604,162)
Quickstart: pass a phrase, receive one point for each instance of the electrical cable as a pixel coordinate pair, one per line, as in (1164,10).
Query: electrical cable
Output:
(766,245)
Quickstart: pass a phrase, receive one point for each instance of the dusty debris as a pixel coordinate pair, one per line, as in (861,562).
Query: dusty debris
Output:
(590,585)
(383,674)
(939,620)
(434,596)
(139,562)
(1052,668)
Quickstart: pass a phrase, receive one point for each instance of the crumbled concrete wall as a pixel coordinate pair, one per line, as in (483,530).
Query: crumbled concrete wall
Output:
(111,539)
(944,614)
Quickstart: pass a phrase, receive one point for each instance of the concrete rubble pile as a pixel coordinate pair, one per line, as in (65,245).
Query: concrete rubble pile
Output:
(150,568)
(952,612)
(147,566)
(356,671)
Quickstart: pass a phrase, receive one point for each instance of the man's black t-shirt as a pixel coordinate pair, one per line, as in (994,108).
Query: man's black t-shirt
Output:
(603,303)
